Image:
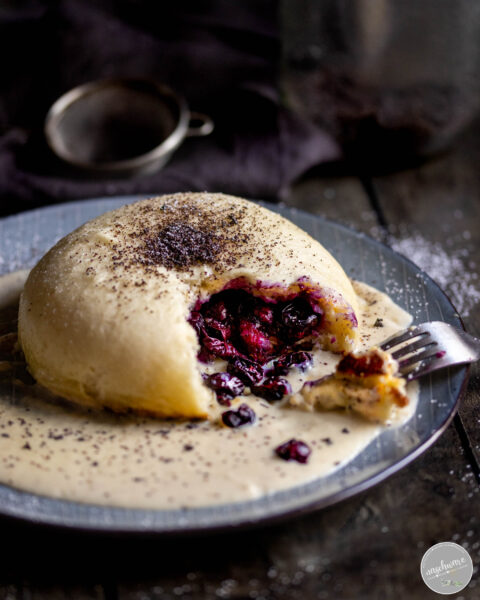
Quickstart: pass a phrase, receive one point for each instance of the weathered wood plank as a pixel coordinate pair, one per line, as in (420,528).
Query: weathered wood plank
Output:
(434,216)
(342,199)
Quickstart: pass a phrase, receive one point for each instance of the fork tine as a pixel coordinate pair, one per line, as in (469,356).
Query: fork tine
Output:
(416,371)
(423,342)
(429,352)
(438,345)
(403,336)
(425,366)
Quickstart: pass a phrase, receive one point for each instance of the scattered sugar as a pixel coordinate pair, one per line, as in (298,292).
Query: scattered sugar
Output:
(454,271)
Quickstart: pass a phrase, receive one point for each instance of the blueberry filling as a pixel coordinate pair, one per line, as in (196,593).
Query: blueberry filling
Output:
(294,450)
(260,338)
(248,371)
(298,319)
(244,415)
(226,387)
(273,388)
(282,365)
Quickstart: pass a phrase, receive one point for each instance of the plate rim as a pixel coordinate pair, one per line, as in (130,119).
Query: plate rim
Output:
(133,527)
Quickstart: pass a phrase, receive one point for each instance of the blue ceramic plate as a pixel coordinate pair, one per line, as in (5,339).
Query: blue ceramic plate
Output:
(24,238)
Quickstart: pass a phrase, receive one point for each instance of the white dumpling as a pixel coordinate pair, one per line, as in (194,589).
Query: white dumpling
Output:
(104,316)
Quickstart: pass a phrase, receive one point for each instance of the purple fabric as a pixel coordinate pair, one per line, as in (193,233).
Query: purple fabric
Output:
(221,55)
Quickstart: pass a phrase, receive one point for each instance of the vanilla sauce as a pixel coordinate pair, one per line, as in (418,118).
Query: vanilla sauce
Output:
(53,448)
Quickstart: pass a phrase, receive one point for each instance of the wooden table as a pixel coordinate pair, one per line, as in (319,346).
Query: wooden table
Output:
(368,547)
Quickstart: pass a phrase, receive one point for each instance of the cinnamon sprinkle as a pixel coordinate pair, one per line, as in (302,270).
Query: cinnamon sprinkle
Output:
(180,245)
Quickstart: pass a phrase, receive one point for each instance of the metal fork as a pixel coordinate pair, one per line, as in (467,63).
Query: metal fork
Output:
(431,346)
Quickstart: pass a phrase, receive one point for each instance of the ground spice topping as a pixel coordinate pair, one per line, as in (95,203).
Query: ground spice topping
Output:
(179,245)
(182,233)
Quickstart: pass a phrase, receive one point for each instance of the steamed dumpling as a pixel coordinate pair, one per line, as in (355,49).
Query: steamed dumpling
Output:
(110,315)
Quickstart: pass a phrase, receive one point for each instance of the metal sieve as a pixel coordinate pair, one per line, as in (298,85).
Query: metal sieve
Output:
(121,127)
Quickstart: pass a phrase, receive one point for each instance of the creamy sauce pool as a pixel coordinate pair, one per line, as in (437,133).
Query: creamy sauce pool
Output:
(50,447)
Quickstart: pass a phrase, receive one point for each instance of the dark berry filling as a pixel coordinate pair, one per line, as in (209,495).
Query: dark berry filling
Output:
(260,338)
(244,415)
(247,370)
(282,365)
(273,388)
(294,450)
(298,319)
(226,387)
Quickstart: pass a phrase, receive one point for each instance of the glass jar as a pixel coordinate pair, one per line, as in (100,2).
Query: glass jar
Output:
(390,79)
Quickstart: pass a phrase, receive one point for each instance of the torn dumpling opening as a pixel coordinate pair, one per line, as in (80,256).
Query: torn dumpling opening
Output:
(262,320)
(263,330)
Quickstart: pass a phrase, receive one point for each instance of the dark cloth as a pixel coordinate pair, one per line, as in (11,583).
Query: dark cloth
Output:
(222,56)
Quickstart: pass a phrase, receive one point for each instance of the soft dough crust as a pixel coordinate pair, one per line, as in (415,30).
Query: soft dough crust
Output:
(103,316)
